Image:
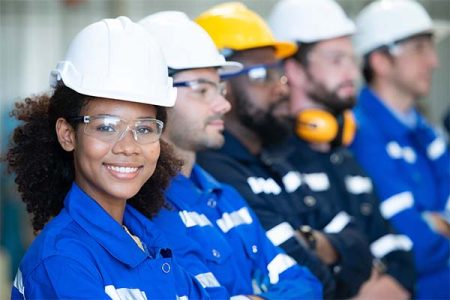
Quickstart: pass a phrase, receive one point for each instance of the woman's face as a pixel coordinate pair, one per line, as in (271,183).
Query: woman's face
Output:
(114,170)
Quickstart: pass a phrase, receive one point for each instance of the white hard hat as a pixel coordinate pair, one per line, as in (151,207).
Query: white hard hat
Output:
(385,22)
(309,21)
(185,44)
(117,59)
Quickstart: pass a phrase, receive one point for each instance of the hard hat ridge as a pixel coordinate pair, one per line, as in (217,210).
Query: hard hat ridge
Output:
(117,59)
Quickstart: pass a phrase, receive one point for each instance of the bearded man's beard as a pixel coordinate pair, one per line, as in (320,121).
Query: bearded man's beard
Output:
(270,128)
(331,99)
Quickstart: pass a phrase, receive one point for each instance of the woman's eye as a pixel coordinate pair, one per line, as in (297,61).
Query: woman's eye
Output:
(106,128)
(144,130)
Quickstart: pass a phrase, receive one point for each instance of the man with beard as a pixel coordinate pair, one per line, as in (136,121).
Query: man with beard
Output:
(207,221)
(407,159)
(322,75)
(259,119)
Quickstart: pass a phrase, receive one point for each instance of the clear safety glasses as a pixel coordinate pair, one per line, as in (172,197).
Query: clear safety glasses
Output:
(417,46)
(110,129)
(203,89)
(262,74)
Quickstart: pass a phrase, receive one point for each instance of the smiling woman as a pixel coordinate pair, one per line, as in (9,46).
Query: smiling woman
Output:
(91,169)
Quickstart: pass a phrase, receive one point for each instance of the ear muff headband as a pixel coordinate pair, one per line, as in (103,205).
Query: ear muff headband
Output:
(320,126)
(349,128)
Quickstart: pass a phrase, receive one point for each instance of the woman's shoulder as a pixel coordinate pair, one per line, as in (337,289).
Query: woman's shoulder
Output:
(62,236)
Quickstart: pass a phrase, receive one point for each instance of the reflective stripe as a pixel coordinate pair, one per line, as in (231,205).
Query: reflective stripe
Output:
(447,206)
(292,180)
(192,218)
(388,243)
(207,280)
(395,151)
(18,283)
(239,297)
(261,185)
(436,148)
(182,297)
(234,219)
(338,223)
(317,182)
(395,204)
(271,187)
(358,184)
(280,233)
(278,265)
(124,293)
(255,184)
(409,155)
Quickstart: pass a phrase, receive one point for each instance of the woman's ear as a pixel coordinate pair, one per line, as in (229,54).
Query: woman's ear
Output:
(65,134)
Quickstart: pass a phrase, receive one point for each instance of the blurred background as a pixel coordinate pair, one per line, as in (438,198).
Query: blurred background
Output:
(34,35)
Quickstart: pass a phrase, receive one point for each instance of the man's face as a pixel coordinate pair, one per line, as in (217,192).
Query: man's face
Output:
(196,123)
(414,61)
(331,74)
(260,96)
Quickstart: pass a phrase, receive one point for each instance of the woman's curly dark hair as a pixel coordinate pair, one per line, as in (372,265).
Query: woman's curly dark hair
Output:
(45,172)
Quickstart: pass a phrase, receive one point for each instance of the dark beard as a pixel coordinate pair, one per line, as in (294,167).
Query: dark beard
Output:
(270,129)
(330,99)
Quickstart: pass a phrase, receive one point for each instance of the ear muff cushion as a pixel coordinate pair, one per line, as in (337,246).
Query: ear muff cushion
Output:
(349,130)
(316,126)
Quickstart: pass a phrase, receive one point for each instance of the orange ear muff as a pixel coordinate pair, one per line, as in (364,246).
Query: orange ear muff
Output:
(320,126)
(316,126)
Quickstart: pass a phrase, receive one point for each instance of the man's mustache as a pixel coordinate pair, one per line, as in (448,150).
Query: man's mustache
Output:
(281,100)
(345,84)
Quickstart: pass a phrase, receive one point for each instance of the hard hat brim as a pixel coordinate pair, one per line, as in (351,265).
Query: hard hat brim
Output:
(230,68)
(284,49)
(224,68)
(441,30)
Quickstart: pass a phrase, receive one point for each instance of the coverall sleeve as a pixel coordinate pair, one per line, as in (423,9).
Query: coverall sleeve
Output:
(193,288)
(431,250)
(286,279)
(187,254)
(393,249)
(60,277)
(230,172)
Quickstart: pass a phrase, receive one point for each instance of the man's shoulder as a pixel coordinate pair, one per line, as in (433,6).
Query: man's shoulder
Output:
(212,155)
(220,164)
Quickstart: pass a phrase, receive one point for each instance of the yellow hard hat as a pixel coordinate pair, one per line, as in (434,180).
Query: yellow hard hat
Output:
(233,27)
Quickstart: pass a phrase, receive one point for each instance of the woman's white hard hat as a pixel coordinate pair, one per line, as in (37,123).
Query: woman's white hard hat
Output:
(116,59)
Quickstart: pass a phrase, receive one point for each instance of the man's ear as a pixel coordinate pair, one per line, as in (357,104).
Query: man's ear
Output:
(230,93)
(65,134)
(381,63)
(295,73)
